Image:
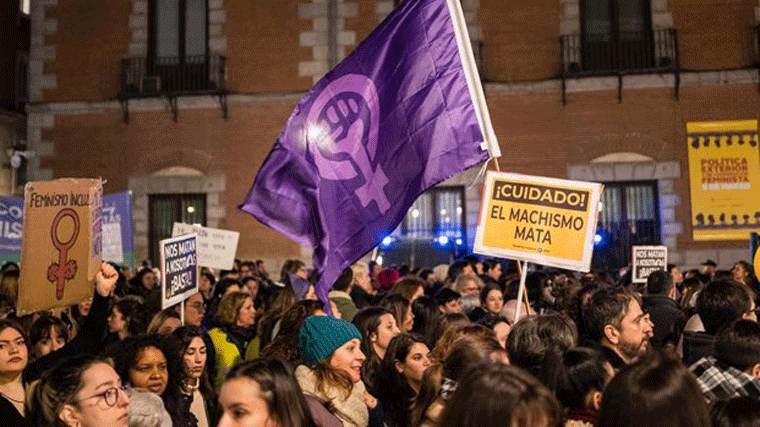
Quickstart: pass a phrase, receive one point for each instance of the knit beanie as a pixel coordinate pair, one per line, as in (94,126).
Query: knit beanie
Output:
(321,335)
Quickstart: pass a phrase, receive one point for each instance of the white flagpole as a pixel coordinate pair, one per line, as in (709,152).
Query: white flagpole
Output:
(473,79)
(521,289)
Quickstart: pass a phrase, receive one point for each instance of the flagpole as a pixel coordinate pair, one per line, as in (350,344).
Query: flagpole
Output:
(473,78)
(521,289)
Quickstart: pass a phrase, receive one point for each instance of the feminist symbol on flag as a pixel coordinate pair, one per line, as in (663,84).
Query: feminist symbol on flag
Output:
(342,118)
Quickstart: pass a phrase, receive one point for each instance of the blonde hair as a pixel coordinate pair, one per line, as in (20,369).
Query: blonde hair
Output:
(441,272)
(229,308)
(161,317)
(360,269)
(462,279)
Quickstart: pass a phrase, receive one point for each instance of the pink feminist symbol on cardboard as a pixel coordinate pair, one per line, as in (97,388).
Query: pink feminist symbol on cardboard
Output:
(337,124)
(65,269)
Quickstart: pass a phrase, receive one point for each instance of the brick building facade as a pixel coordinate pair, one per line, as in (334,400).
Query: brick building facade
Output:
(90,116)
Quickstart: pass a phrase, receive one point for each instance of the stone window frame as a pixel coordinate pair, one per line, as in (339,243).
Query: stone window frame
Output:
(214,185)
(635,168)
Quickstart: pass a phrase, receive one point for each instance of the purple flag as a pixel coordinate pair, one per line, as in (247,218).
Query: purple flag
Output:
(394,118)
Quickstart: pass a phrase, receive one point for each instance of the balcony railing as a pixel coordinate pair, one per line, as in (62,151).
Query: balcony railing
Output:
(621,53)
(147,77)
(172,77)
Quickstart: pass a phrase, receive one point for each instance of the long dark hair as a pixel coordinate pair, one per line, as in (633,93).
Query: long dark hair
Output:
(497,395)
(368,321)
(42,327)
(285,345)
(182,337)
(658,391)
(398,306)
(283,395)
(392,388)
(582,372)
(135,314)
(426,315)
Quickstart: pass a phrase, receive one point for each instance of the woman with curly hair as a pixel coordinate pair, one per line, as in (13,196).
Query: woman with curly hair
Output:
(150,363)
(194,404)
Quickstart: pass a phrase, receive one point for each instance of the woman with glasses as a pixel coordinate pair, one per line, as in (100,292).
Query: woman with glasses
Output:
(15,370)
(80,392)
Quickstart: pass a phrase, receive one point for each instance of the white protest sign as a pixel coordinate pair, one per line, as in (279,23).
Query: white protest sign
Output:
(216,248)
(647,259)
(112,246)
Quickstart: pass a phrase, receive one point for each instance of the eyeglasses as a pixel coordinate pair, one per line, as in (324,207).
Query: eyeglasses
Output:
(110,395)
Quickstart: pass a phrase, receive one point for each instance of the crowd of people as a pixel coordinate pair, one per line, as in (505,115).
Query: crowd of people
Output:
(392,347)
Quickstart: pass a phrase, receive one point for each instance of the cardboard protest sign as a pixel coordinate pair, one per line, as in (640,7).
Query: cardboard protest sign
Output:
(118,245)
(179,268)
(647,259)
(11,228)
(216,248)
(62,243)
(542,220)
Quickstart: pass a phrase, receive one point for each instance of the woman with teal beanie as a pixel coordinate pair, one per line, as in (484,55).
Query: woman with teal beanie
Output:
(331,373)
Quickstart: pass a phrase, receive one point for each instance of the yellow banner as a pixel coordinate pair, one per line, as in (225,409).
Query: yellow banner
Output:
(542,220)
(724,176)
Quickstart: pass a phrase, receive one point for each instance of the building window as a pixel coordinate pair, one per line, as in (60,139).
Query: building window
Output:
(616,34)
(166,209)
(432,233)
(179,29)
(178,59)
(437,212)
(629,215)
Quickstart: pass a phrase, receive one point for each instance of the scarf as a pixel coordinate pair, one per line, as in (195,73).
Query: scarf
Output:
(352,411)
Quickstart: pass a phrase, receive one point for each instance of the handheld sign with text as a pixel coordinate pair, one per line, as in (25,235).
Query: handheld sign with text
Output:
(118,245)
(542,220)
(61,249)
(647,259)
(216,248)
(11,228)
(179,267)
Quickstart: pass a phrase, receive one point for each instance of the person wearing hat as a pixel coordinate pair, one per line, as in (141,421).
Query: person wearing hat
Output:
(332,356)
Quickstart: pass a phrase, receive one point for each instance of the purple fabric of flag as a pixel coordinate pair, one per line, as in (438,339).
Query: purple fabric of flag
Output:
(391,120)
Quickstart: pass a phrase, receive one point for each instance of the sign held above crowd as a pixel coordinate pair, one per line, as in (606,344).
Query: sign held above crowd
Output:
(647,259)
(542,220)
(62,243)
(216,248)
(179,268)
